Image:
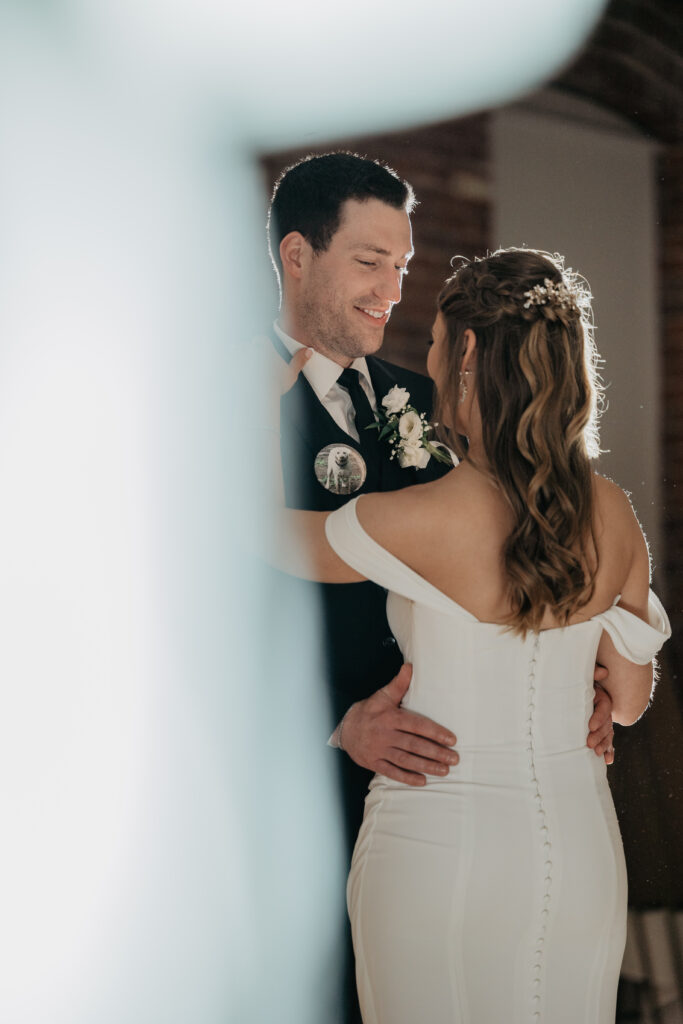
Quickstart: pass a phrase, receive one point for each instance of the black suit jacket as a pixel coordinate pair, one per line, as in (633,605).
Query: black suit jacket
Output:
(360,652)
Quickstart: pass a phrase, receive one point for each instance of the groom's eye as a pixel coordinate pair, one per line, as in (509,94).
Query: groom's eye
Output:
(367,263)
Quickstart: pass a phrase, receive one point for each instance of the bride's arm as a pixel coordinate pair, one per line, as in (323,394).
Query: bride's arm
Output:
(292,540)
(629,685)
(297,545)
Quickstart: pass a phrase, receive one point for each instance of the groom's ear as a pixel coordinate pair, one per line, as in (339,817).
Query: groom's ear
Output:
(294,250)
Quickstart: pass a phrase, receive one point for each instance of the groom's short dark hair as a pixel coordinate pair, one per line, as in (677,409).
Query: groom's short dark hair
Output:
(309,194)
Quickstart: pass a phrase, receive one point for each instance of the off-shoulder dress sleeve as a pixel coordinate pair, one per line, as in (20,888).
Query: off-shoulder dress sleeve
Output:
(358,549)
(635,639)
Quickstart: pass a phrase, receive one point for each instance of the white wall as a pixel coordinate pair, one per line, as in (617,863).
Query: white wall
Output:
(573,179)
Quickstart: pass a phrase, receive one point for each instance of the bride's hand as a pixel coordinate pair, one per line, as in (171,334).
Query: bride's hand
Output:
(293,368)
(269,363)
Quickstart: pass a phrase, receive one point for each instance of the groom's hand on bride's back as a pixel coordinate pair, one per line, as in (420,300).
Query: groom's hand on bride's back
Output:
(381,735)
(601,734)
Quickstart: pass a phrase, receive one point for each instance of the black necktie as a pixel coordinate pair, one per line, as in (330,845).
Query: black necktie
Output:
(350,379)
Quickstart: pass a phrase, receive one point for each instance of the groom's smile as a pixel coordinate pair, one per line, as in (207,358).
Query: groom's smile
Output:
(380,316)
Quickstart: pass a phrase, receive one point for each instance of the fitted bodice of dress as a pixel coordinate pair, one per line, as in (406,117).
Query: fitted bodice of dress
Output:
(491,687)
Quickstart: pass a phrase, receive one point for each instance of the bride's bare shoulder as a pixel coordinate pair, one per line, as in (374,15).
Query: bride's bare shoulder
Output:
(395,507)
(624,554)
(613,508)
(621,542)
(429,508)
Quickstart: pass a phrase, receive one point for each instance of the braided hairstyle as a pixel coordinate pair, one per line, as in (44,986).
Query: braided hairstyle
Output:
(538,393)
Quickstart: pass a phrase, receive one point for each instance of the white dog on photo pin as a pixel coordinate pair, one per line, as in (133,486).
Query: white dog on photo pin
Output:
(340,469)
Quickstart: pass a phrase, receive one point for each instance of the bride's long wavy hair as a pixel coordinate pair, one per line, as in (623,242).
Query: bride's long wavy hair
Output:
(539,397)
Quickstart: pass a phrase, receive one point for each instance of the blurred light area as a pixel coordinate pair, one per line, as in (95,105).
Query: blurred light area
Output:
(170,841)
(318,69)
(159,838)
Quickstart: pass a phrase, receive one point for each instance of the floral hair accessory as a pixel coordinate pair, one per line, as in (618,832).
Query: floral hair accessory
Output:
(407,431)
(557,296)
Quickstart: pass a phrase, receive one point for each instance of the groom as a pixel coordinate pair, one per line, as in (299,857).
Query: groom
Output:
(340,240)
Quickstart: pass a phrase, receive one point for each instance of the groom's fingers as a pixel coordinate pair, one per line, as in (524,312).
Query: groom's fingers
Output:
(392,771)
(417,725)
(430,752)
(411,762)
(414,754)
(396,690)
(602,710)
(380,735)
(601,734)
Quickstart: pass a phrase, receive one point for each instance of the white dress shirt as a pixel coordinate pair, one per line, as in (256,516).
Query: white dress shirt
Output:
(322,374)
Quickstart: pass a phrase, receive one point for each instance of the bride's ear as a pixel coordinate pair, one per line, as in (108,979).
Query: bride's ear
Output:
(469,356)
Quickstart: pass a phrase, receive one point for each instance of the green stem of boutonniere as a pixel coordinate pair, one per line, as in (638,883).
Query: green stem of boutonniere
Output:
(437,453)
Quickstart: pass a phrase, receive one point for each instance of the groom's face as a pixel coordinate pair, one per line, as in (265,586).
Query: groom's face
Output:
(348,291)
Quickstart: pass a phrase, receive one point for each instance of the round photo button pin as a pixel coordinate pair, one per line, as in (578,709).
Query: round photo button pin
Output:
(340,469)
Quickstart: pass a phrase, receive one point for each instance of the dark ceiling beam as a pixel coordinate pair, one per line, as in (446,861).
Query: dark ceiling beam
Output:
(633,64)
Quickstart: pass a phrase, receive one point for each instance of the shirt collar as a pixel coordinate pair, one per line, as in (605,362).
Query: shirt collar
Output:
(320,372)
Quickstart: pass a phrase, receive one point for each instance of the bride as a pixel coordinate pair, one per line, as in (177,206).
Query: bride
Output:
(498,893)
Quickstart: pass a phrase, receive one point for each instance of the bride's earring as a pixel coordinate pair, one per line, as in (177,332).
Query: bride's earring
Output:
(464,390)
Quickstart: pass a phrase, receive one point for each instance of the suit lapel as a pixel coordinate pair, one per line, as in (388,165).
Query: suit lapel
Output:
(302,412)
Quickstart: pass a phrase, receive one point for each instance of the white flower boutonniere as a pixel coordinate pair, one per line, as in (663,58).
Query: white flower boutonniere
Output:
(407,431)
(396,400)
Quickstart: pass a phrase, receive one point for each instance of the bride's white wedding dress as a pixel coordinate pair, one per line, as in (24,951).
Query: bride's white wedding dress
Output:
(495,895)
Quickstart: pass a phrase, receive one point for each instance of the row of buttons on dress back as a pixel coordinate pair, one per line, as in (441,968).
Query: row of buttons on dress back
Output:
(545,834)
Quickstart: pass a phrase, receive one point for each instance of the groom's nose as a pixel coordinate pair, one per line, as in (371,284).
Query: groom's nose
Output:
(388,286)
